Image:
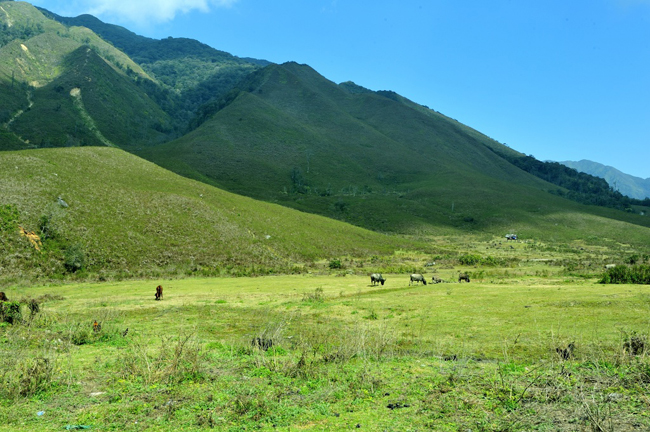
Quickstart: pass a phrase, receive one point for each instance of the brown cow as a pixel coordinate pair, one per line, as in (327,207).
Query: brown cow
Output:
(3,297)
(159,294)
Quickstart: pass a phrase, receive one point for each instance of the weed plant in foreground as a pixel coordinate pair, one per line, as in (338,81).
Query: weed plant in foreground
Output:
(328,353)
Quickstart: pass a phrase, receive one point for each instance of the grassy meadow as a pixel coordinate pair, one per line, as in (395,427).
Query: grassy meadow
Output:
(335,352)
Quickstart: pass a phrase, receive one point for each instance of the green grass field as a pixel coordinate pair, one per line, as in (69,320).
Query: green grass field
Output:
(453,356)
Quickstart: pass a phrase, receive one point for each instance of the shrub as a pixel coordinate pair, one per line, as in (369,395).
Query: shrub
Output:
(469,259)
(638,274)
(46,227)
(10,312)
(335,264)
(80,334)
(177,359)
(25,376)
(8,218)
(316,296)
(75,258)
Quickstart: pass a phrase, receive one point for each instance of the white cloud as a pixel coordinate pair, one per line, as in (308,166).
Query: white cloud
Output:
(149,11)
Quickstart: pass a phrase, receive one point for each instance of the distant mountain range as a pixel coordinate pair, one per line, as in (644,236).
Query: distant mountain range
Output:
(634,187)
(279,133)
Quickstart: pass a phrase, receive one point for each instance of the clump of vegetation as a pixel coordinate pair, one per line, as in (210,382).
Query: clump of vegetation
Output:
(75,258)
(22,375)
(8,218)
(335,264)
(637,274)
(10,312)
(315,297)
(470,259)
(635,344)
(175,360)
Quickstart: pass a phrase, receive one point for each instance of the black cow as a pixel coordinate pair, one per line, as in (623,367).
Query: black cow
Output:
(463,277)
(376,278)
(416,277)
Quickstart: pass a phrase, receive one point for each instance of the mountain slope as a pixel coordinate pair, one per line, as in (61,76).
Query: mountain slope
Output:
(374,159)
(65,86)
(90,104)
(38,45)
(634,187)
(195,72)
(127,215)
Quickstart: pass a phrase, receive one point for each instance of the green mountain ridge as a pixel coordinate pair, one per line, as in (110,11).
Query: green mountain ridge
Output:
(87,101)
(634,187)
(374,159)
(278,133)
(45,61)
(193,72)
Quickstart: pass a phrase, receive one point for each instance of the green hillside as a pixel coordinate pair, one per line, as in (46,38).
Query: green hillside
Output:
(279,133)
(634,187)
(193,72)
(42,61)
(374,159)
(117,215)
(35,46)
(91,104)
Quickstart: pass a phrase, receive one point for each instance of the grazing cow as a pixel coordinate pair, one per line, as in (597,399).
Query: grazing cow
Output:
(376,278)
(436,280)
(159,294)
(3,297)
(463,277)
(416,277)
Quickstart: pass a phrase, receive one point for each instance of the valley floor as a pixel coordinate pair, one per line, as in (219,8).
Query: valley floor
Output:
(331,352)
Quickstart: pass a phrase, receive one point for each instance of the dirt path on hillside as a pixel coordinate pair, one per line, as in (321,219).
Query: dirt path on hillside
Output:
(30,103)
(88,120)
(7,125)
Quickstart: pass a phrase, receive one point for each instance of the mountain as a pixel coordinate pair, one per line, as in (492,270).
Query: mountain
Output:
(193,72)
(375,159)
(279,133)
(634,187)
(65,86)
(120,216)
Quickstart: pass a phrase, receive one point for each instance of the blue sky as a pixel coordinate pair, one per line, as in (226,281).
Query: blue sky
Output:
(561,80)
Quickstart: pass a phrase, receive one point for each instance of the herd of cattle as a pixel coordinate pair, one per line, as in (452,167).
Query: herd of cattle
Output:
(376,278)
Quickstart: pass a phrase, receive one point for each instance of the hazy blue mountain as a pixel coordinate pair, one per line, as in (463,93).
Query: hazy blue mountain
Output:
(634,187)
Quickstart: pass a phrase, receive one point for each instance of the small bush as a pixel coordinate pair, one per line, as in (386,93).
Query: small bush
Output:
(24,374)
(469,259)
(46,227)
(316,296)
(75,259)
(638,274)
(8,218)
(10,312)
(174,361)
(634,344)
(335,264)
(80,334)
